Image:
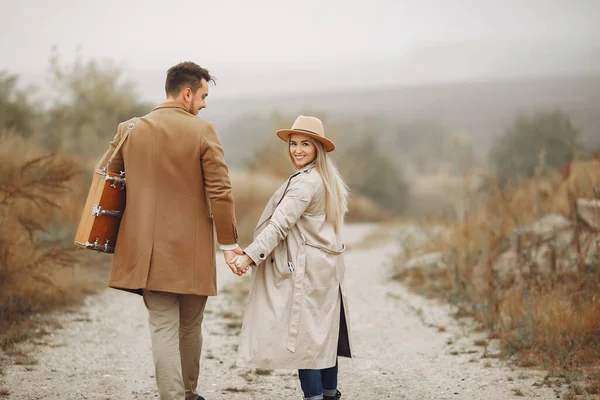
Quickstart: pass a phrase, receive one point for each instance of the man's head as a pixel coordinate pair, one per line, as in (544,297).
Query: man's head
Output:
(187,83)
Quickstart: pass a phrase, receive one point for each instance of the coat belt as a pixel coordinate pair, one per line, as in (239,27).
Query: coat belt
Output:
(327,249)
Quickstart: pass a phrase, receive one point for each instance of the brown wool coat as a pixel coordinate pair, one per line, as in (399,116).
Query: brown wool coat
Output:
(296,318)
(178,187)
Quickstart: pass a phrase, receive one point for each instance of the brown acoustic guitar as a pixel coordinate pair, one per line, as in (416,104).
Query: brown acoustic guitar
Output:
(104,207)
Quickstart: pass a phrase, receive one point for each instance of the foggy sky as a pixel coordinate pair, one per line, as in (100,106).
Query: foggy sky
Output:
(279,45)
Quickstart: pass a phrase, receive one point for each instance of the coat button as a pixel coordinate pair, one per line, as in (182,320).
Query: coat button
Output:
(262,256)
(272,260)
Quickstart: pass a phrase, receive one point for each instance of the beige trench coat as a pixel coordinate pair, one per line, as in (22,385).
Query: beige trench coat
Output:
(297,313)
(177,185)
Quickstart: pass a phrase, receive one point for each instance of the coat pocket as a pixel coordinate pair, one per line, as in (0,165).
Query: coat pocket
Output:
(285,263)
(283,270)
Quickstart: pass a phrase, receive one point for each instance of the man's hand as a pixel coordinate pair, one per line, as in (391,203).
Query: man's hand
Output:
(242,263)
(230,256)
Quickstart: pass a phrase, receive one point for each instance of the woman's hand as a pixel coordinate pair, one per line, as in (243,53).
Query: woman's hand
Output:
(242,264)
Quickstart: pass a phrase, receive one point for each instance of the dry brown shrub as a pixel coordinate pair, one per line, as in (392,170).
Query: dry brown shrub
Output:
(38,263)
(547,318)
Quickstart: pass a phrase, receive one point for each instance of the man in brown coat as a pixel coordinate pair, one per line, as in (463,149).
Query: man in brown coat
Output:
(178,188)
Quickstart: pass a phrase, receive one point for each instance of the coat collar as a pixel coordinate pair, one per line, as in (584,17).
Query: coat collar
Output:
(307,168)
(171,104)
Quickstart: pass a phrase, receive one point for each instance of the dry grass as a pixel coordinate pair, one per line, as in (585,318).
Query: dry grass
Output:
(251,192)
(39,268)
(587,385)
(546,311)
(362,209)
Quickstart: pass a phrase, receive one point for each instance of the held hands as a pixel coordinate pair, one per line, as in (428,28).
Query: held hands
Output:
(242,263)
(230,255)
(231,258)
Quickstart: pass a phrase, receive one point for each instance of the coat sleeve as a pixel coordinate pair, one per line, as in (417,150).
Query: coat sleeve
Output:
(218,186)
(295,201)
(117,164)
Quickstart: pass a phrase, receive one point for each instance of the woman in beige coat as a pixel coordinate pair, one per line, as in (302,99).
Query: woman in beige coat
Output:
(297,314)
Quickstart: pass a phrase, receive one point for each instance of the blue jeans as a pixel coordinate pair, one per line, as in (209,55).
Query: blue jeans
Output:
(317,382)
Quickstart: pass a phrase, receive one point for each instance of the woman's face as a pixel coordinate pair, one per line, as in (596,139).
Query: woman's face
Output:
(302,150)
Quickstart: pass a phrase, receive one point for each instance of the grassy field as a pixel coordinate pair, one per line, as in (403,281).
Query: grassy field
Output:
(536,290)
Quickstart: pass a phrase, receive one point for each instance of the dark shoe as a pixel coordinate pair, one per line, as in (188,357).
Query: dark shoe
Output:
(200,397)
(337,396)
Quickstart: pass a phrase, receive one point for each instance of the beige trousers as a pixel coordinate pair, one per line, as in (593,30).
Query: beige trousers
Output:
(176,331)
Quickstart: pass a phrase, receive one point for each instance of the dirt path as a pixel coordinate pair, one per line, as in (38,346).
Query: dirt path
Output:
(406,347)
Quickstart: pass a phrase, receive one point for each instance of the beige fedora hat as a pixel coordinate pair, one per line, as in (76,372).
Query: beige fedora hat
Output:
(309,126)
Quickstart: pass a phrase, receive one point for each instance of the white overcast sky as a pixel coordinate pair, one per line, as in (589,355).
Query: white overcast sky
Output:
(271,44)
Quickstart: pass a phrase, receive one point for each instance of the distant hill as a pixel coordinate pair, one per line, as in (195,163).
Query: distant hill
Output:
(476,110)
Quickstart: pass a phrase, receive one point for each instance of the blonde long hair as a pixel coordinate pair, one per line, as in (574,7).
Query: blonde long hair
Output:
(336,190)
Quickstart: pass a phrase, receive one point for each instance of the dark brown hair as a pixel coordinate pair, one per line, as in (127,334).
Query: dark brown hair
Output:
(184,75)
